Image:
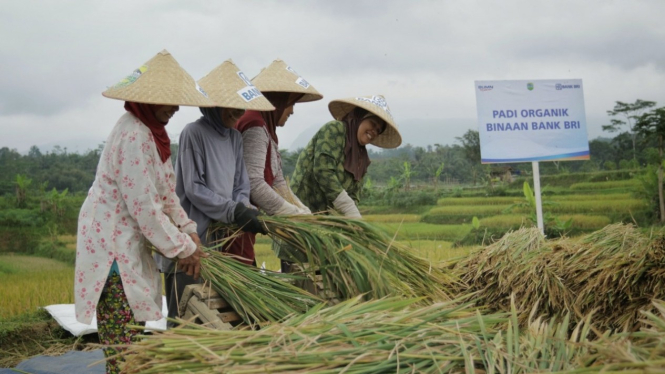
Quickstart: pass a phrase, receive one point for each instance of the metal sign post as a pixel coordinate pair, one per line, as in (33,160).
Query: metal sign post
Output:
(539,200)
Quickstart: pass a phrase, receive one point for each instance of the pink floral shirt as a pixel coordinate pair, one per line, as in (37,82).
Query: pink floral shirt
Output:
(131,202)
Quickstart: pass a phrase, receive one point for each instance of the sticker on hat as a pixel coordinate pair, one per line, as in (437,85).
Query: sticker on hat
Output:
(301,81)
(249,92)
(378,101)
(136,74)
(198,88)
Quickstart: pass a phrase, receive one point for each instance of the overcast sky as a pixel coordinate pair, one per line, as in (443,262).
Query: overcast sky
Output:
(424,56)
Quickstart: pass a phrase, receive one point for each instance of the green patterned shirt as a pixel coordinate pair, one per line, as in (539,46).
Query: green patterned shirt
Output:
(320,175)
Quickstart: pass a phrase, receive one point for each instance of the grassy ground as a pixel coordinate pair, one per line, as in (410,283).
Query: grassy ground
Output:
(30,282)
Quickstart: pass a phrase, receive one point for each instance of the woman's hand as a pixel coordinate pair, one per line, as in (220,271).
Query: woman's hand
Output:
(192,264)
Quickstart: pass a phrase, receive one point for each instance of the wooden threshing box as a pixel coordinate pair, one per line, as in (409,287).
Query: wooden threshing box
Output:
(207,308)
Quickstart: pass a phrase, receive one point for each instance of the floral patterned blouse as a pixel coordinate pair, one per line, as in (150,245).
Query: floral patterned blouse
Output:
(132,201)
(320,175)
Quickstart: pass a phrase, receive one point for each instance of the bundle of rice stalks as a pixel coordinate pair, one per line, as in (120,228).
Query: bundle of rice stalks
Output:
(355,257)
(256,295)
(377,336)
(613,272)
(396,335)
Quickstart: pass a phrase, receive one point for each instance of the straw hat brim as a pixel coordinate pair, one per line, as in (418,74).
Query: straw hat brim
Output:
(161,80)
(280,77)
(390,138)
(229,87)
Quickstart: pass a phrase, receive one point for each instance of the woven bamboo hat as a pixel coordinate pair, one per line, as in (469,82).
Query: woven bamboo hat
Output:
(229,87)
(161,80)
(390,138)
(280,77)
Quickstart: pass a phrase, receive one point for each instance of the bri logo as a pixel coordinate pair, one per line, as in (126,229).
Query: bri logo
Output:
(485,88)
(560,86)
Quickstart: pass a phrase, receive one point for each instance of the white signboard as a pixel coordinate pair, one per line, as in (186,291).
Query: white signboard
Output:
(531,120)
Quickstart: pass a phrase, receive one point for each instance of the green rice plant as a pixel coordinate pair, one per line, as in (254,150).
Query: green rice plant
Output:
(461,214)
(416,231)
(436,251)
(506,221)
(598,207)
(590,197)
(580,222)
(355,257)
(392,218)
(256,295)
(29,283)
(494,200)
(629,184)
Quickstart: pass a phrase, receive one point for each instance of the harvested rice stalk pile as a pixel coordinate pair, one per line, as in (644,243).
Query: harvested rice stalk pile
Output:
(354,257)
(613,272)
(376,336)
(395,335)
(256,295)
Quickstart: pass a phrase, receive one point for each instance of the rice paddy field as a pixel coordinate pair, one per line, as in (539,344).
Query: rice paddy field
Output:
(30,282)
(433,233)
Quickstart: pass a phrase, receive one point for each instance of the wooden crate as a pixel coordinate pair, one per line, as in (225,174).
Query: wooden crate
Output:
(202,305)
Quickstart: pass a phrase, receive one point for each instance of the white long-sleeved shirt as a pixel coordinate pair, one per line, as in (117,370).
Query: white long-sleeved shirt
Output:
(132,201)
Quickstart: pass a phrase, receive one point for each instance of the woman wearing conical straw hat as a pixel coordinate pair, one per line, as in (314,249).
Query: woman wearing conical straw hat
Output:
(211,178)
(329,171)
(132,202)
(283,87)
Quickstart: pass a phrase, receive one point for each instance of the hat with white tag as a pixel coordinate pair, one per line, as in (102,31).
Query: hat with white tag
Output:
(377,105)
(280,77)
(161,80)
(229,87)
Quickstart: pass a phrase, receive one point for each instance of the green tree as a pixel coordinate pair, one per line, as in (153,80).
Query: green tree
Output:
(406,176)
(22,185)
(437,175)
(630,112)
(653,124)
(471,146)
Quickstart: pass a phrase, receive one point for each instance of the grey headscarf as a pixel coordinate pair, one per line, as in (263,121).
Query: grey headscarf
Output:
(213,118)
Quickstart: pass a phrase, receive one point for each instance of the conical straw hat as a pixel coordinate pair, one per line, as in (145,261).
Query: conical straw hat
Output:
(279,77)
(229,87)
(390,138)
(161,80)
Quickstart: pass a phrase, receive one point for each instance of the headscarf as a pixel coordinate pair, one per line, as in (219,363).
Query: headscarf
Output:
(357,159)
(145,113)
(213,118)
(281,101)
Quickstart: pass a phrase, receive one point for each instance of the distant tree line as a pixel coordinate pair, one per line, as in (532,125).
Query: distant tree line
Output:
(637,147)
